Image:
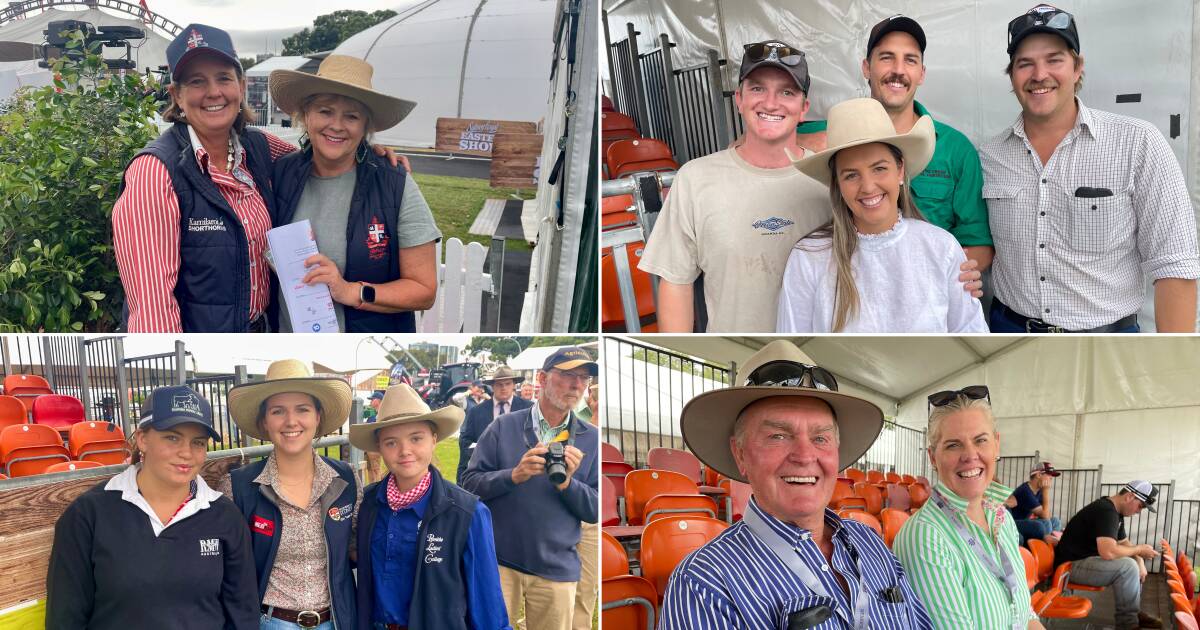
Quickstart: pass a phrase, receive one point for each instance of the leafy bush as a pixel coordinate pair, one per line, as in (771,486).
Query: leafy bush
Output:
(63,150)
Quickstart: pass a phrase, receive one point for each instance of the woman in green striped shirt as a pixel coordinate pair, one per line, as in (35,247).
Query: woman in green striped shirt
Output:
(961,548)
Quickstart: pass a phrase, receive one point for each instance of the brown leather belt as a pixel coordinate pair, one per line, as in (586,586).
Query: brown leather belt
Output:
(302,618)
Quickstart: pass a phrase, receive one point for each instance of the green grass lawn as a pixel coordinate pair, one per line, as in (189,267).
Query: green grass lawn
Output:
(456,201)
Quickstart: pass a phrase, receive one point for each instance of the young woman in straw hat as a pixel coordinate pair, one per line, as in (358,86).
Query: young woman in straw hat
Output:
(877,266)
(374,231)
(299,506)
(426,553)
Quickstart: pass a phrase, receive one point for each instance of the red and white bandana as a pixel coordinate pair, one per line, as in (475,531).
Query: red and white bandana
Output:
(399,500)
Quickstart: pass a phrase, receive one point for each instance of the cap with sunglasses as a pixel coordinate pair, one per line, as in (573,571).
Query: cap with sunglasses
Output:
(901,23)
(779,55)
(778,369)
(1044,469)
(1043,19)
(971,392)
(1144,491)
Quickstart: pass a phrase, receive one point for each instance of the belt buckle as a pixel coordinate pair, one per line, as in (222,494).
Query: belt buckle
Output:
(303,616)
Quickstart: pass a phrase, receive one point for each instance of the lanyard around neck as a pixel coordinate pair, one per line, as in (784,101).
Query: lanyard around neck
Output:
(791,558)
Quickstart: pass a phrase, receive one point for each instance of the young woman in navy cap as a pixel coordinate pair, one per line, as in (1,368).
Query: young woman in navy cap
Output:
(154,546)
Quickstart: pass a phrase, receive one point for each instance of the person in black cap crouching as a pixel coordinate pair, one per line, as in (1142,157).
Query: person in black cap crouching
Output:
(1096,545)
(155,547)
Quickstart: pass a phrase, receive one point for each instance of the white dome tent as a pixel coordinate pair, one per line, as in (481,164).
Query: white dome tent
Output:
(483,59)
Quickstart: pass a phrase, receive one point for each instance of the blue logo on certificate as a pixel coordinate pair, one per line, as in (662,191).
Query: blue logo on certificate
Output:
(316,327)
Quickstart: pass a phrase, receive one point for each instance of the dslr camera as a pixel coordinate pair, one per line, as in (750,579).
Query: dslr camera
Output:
(556,462)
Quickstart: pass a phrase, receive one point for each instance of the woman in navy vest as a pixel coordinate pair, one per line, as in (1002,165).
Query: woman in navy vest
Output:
(375,233)
(426,552)
(299,506)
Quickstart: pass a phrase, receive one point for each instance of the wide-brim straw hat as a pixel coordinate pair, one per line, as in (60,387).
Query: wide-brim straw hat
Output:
(503,372)
(861,121)
(402,405)
(342,75)
(707,419)
(290,375)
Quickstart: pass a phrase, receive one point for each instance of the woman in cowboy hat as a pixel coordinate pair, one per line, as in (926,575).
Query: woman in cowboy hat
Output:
(299,506)
(374,231)
(426,553)
(877,266)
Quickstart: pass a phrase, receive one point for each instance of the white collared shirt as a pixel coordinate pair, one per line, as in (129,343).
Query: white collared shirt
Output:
(126,484)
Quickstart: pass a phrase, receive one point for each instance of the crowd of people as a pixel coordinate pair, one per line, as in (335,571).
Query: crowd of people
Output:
(882,218)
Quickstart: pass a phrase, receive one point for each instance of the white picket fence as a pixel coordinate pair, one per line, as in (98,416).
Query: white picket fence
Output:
(461,285)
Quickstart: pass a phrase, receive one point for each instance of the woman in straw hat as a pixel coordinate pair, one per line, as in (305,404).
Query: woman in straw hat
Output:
(877,266)
(300,507)
(374,231)
(426,553)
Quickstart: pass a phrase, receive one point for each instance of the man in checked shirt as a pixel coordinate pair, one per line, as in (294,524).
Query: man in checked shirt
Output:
(1083,204)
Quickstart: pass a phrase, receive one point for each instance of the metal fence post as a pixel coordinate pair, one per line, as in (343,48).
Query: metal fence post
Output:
(674,108)
(717,93)
(85,394)
(612,69)
(639,89)
(356,411)
(240,378)
(47,363)
(122,386)
(4,355)
(180,363)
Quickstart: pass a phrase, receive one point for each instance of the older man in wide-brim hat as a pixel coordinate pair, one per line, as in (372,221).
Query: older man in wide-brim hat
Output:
(504,400)
(787,431)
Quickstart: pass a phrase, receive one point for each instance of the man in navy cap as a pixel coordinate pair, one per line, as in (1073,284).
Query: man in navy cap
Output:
(536,469)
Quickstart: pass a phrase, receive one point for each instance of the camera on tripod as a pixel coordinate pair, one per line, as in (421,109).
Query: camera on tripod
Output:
(108,37)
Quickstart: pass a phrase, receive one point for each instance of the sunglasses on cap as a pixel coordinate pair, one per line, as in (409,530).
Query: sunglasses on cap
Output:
(762,51)
(972,392)
(791,374)
(1056,19)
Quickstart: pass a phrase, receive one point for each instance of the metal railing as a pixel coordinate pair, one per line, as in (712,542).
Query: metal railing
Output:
(658,108)
(1185,527)
(1071,491)
(645,390)
(1013,470)
(214,389)
(898,449)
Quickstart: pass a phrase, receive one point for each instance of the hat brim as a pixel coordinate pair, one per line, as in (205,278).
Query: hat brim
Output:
(707,423)
(514,379)
(186,57)
(592,366)
(771,63)
(1041,28)
(290,87)
(334,395)
(447,420)
(171,423)
(917,147)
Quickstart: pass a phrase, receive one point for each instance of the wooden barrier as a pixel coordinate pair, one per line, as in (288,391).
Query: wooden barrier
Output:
(515,160)
(473,136)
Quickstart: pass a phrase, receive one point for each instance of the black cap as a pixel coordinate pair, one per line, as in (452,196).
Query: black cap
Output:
(197,39)
(168,407)
(776,54)
(1043,19)
(569,358)
(895,23)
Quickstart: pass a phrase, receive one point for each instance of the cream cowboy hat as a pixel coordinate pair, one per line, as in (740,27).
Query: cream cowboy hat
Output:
(863,121)
(503,372)
(343,75)
(401,405)
(707,420)
(290,375)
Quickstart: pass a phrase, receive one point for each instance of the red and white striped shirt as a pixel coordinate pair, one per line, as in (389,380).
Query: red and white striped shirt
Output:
(146,235)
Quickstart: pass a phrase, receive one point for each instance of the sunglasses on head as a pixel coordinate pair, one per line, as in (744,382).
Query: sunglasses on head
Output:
(973,392)
(1056,19)
(791,374)
(785,55)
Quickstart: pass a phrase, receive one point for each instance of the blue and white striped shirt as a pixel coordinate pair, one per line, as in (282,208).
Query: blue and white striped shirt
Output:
(735,581)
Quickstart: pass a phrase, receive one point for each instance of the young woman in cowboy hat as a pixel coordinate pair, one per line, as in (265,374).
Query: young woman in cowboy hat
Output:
(299,506)
(426,553)
(877,266)
(374,231)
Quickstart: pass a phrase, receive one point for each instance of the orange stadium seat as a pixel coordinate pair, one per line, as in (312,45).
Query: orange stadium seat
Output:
(917,495)
(613,559)
(616,471)
(680,461)
(609,514)
(612,315)
(26,387)
(65,466)
(1182,604)
(865,519)
(891,520)
(1044,554)
(666,541)
(891,477)
(875,476)
(639,154)
(628,602)
(101,442)
(12,411)
(1031,568)
(872,494)
(1054,605)
(908,480)
(606,104)
(664,505)
(1184,621)
(855,474)
(642,485)
(30,449)
(610,453)
(617,212)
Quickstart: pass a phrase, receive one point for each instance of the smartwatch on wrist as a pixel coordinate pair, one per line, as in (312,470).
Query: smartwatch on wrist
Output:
(366,293)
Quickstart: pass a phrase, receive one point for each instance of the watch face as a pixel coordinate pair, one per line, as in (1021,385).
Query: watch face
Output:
(368,293)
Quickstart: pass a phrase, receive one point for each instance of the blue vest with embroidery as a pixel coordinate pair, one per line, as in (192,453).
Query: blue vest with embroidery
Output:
(372,253)
(266,526)
(439,599)
(213,289)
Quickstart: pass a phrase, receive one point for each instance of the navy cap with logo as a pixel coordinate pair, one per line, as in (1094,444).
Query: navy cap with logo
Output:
(169,407)
(1043,19)
(569,358)
(901,23)
(1144,491)
(377,395)
(776,54)
(197,39)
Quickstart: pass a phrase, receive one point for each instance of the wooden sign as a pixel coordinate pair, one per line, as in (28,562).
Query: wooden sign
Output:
(516,160)
(473,136)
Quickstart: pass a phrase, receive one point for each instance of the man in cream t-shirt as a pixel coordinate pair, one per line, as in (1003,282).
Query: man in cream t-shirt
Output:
(736,214)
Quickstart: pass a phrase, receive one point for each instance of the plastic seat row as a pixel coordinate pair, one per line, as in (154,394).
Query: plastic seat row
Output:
(31,449)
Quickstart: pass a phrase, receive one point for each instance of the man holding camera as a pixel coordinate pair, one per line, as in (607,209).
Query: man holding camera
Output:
(536,471)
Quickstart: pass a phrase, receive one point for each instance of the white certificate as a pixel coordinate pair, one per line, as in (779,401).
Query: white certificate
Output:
(310,307)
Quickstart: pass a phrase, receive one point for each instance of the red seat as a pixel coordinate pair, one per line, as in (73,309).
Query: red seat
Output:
(101,442)
(875,476)
(917,496)
(628,602)
(736,499)
(613,122)
(613,559)
(1184,621)
(616,471)
(606,104)
(891,477)
(642,485)
(3,476)
(891,520)
(1182,604)
(12,411)
(682,462)
(664,505)
(612,315)
(26,387)
(897,497)
(864,518)
(872,494)
(632,155)
(609,515)
(65,466)
(1188,572)
(617,212)
(610,453)
(666,542)
(908,480)
(30,449)
(855,474)
(58,412)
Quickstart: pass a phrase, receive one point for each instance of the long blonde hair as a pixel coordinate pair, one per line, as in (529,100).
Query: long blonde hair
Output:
(844,239)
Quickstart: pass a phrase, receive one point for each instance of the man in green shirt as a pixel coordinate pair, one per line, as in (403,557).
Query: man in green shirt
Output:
(949,191)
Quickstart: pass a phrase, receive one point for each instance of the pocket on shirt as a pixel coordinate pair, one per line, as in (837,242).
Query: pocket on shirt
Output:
(931,193)
(797,604)
(1099,223)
